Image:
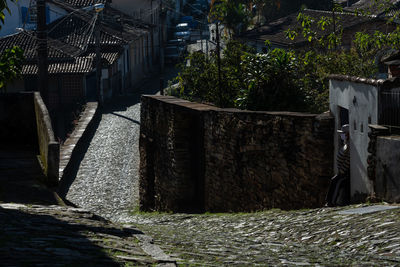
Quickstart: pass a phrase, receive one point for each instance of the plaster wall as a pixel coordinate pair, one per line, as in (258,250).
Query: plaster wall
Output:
(14,19)
(361,100)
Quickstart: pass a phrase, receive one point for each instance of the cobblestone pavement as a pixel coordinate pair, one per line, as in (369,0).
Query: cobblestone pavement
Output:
(107,180)
(107,185)
(318,237)
(37,235)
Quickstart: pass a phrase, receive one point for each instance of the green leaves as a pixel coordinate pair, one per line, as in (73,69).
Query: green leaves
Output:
(291,34)
(232,13)
(12,59)
(4,7)
(10,65)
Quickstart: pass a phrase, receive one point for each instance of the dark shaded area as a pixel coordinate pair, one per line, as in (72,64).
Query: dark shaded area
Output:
(278,9)
(21,176)
(17,120)
(30,239)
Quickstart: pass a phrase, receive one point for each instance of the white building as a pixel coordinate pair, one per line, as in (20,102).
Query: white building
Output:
(23,15)
(355,102)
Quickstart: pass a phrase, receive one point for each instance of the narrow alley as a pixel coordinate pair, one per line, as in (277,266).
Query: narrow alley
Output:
(107,180)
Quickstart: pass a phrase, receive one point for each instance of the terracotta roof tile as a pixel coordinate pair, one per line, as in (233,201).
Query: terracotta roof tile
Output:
(80,65)
(27,41)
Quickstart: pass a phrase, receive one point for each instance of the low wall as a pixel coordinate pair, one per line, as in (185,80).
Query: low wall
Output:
(259,160)
(49,148)
(17,120)
(198,157)
(387,182)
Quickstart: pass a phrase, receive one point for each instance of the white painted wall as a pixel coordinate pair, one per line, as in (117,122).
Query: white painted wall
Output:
(361,100)
(15,20)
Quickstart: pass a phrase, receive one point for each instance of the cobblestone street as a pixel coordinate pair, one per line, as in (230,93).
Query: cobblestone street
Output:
(319,237)
(107,180)
(106,184)
(34,235)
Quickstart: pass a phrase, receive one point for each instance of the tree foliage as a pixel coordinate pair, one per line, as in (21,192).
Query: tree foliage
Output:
(284,79)
(234,14)
(11,59)
(270,81)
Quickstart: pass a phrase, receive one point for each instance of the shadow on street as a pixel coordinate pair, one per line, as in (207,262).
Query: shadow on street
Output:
(118,104)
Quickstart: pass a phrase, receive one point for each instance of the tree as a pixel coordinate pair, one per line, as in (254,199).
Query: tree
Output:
(11,59)
(234,14)
(270,81)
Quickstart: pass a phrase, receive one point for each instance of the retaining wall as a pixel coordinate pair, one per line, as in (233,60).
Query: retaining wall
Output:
(198,157)
(48,146)
(387,182)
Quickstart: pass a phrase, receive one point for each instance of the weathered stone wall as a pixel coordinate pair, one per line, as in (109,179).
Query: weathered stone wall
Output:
(17,120)
(170,132)
(387,181)
(259,160)
(197,157)
(49,148)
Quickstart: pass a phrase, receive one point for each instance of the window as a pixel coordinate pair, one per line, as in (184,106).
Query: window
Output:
(29,15)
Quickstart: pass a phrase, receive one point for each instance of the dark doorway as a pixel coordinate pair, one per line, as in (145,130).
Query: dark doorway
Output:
(91,94)
(343,116)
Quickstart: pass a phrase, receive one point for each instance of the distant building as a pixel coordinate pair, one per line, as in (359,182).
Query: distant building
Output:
(23,15)
(125,45)
(275,31)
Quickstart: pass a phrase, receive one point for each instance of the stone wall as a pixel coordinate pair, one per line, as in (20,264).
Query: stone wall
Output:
(198,157)
(17,120)
(170,134)
(387,181)
(49,148)
(258,160)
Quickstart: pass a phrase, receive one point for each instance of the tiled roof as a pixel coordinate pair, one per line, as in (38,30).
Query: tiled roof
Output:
(71,44)
(371,6)
(80,65)
(113,21)
(27,41)
(276,31)
(59,62)
(80,3)
(78,31)
(109,57)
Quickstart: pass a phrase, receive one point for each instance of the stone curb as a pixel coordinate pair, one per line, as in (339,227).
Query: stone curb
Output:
(71,146)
